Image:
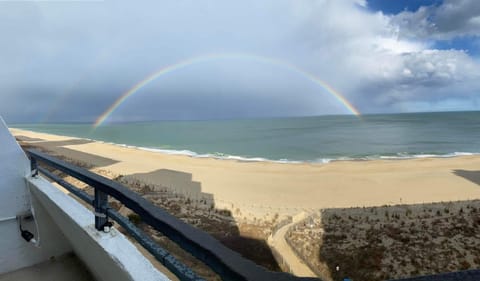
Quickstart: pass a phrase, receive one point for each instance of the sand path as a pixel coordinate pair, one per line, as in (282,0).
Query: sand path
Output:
(278,242)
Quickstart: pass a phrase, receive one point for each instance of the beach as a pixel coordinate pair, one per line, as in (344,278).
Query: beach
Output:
(264,188)
(279,206)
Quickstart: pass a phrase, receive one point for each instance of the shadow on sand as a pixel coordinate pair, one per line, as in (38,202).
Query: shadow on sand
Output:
(176,192)
(25,138)
(164,180)
(57,148)
(473,176)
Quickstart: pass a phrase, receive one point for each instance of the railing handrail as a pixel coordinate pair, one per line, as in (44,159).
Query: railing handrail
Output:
(228,264)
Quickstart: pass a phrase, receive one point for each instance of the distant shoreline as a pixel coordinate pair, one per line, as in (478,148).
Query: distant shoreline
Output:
(259,189)
(222,156)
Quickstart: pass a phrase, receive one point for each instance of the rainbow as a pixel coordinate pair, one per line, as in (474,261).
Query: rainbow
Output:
(210,57)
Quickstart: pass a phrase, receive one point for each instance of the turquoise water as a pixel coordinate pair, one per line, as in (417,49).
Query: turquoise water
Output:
(305,139)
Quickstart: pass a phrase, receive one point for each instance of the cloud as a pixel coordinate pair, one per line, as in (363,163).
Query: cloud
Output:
(453,18)
(384,69)
(71,61)
(432,68)
(431,80)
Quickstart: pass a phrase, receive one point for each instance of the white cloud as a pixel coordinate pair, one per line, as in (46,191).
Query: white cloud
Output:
(436,68)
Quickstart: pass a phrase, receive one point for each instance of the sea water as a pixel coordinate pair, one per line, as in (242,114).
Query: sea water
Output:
(300,139)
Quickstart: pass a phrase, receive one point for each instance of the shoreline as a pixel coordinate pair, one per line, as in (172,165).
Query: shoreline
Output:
(263,189)
(255,159)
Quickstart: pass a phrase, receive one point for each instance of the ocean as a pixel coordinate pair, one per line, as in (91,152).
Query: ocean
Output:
(302,139)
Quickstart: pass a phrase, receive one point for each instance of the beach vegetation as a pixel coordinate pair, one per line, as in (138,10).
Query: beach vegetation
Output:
(134,218)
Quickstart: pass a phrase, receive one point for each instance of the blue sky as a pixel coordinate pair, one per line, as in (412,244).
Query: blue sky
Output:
(470,44)
(70,61)
(393,7)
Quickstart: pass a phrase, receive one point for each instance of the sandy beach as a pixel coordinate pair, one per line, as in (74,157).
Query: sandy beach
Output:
(263,195)
(258,188)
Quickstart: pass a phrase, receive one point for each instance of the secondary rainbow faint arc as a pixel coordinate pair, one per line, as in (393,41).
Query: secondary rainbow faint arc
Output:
(211,57)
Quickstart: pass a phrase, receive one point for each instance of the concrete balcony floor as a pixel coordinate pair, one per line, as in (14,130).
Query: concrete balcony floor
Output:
(67,267)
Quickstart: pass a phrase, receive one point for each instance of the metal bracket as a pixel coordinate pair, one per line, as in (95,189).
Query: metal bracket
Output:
(99,215)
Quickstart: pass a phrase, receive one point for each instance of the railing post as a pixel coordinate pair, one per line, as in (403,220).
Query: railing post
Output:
(101,204)
(33,166)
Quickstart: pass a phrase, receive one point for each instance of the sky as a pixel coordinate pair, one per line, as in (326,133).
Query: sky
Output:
(70,61)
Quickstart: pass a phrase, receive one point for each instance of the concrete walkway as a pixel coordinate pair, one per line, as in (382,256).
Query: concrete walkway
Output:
(278,242)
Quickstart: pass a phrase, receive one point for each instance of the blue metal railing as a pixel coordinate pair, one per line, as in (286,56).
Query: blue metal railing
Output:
(228,264)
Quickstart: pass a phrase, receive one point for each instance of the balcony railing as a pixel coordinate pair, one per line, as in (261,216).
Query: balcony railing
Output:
(228,264)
